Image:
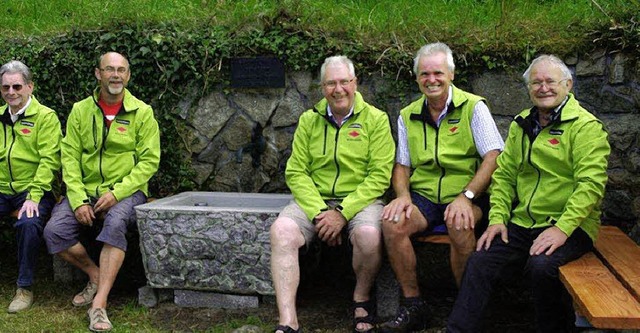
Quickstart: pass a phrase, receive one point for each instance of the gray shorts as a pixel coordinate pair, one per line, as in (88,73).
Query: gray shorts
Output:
(63,230)
(370,215)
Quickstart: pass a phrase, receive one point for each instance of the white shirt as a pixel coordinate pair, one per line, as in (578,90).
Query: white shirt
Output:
(484,130)
(14,117)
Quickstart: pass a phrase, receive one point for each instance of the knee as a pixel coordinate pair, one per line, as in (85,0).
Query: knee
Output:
(393,232)
(285,233)
(366,239)
(29,223)
(542,267)
(462,241)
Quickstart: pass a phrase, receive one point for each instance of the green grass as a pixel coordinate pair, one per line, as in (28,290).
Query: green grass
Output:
(488,26)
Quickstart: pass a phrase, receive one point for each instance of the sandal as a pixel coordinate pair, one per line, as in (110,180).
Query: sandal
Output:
(87,294)
(287,329)
(99,316)
(370,307)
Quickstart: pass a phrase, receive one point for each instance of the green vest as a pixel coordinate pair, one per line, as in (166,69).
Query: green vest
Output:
(444,159)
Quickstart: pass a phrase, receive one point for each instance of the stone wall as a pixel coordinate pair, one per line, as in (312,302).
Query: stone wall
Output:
(227,126)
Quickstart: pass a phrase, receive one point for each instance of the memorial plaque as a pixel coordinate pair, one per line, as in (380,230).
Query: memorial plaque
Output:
(257,72)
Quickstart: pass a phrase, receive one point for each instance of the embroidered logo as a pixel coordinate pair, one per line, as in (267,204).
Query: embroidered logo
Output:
(122,121)
(25,131)
(556,132)
(453,121)
(554,141)
(453,129)
(121,129)
(356,125)
(27,123)
(354,134)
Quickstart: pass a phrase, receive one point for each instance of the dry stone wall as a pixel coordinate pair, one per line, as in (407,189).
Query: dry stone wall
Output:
(239,140)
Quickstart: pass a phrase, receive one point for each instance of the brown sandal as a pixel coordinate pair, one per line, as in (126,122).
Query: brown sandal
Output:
(87,294)
(99,316)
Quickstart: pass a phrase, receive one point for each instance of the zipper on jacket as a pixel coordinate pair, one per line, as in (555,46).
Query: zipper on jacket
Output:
(424,136)
(335,160)
(13,140)
(533,220)
(442,171)
(324,145)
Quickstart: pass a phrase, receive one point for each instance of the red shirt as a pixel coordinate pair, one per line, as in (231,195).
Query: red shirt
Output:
(109,110)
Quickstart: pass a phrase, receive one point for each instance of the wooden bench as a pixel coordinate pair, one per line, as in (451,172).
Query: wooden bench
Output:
(605,284)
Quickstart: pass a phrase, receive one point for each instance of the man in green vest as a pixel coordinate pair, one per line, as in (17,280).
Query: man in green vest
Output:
(448,143)
(109,153)
(29,161)
(340,166)
(545,202)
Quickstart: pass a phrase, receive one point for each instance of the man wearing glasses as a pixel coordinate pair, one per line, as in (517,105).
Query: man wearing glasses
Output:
(545,202)
(447,149)
(340,165)
(29,161)
(110,151)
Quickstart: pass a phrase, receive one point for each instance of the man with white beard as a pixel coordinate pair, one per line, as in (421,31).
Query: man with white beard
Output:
(110,151)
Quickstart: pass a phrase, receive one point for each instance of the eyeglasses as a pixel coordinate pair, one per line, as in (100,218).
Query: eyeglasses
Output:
(333,84)
(112,70)
(16,87)
(551,84)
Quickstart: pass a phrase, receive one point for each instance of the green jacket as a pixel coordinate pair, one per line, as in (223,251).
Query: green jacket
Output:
(556,179)
(352,163)
(120,159)
(29,151)
(443,159)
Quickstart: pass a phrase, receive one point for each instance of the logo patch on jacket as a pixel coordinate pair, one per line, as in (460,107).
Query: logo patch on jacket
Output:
(554,141)
(27,123)
(354,135)
(123,121)
(556,131)
(356,125)
(121,129)
(453,121)
(25,131)
(453,129)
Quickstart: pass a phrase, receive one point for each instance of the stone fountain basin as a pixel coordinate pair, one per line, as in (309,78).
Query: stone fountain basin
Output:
(210,241)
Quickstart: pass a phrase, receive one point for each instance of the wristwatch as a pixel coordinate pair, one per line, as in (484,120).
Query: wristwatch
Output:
(467,193)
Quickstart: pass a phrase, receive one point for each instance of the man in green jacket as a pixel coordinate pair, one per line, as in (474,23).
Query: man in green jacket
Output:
(447,148)
(29,161)
(340,165)
(545,202)
(109,153)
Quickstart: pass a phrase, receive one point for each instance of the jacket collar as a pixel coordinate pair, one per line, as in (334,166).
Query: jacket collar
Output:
(31,110)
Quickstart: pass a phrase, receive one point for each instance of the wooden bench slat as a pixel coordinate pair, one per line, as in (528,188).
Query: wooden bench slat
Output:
(436,239)
(592,285)
(621,254)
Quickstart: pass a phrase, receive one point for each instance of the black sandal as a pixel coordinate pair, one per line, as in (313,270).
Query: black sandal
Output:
(287,329)
(370,307)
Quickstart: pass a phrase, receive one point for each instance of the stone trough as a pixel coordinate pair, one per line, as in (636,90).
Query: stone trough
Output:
(209,241)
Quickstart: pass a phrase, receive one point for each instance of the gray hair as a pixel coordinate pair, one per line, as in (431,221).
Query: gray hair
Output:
(16,66)
(340,59)
(431,49)
(566,73)
(112,52)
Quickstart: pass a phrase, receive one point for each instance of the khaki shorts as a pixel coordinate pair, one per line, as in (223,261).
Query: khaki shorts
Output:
(370,215)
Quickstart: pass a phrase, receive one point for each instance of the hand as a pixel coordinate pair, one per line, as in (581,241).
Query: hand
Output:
(329,225)
(392,211)
(489,234)
(105,202)
(548,241)
(84,215)
(459,214)
(29,207)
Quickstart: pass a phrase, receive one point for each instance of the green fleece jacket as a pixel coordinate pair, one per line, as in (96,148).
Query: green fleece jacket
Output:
(351,163)
(120,159)
(29,151)
(558,178)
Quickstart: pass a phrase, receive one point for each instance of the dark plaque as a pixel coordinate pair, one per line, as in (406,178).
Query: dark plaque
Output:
(258,72)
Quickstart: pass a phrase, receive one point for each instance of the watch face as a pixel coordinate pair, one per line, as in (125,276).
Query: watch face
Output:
(468,194)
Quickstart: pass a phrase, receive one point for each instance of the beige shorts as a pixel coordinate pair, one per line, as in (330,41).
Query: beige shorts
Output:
(370,215)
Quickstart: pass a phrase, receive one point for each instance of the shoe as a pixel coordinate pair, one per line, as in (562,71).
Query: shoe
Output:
(99,316)
(22,301)
(370,307)
(87,294)
(287,329)
(410,318)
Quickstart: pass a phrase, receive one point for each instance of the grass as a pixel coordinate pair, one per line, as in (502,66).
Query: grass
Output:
(488,26)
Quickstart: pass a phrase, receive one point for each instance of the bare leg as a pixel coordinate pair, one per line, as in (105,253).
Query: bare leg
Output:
(463,243)
(78,257)
(367,253)
(400,250)
(286,239)
(111,259)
